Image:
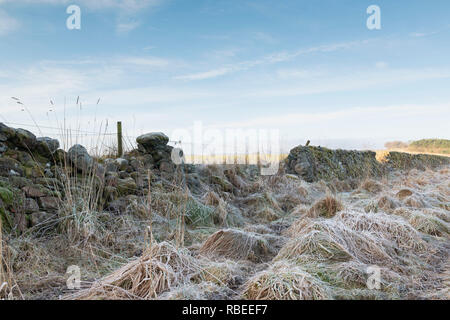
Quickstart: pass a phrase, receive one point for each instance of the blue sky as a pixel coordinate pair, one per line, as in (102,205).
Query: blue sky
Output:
(311,69)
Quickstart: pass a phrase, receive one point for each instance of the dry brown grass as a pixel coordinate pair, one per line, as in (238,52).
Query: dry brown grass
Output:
(160,268)
(326,207)
(285,281)
(371,238)
(235,244)
(429,224)
(387,203)
(371,186)
(316,245)
(404,193)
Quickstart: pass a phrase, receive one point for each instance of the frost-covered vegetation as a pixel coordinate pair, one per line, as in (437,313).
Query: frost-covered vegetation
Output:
(140,227)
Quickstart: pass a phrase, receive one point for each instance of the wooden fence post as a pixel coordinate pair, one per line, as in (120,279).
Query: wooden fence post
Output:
(119,139)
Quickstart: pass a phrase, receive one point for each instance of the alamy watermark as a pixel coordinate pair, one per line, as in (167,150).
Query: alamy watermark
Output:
(73,22)
(229,146)
(374,279)
(374,20)
(74,280)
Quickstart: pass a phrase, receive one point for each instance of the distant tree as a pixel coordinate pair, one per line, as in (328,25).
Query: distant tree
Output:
(431,145)
(396,145)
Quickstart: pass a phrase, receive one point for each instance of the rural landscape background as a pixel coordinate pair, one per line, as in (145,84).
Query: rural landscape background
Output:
(224,150)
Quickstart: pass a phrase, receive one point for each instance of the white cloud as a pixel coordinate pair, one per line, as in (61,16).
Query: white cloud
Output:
(145,61)
(126,27)
(352,81)
(269,59)
(381,65)
(264,37)
(206,75)
(7,23)
(298,74)
(422,34)
(372,113)
(131,5)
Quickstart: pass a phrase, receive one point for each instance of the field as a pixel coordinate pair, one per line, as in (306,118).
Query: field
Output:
(342,226)
(427,146)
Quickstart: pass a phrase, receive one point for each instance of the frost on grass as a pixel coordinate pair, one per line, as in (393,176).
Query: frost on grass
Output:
(285,281)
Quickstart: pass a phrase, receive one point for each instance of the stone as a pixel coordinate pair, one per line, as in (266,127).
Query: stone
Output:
(25,139)
(50,183)
(152,140)
(80,158)
(124,175)
(126,186)
(111,165)
(8,164)
(41,217)
(30,206)
(148,161)
(47,146)
(166,166)
(136,164)
(162,153)
(19,182)
(122,164)
(6,133)
(3,147)
(34,191)
(60,157)
(49,203)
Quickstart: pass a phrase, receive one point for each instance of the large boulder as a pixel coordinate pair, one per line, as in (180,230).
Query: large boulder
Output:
(47,146)
(80,158)
(24,139)
(152,140)
(10,167)
(155,145)
(6,132)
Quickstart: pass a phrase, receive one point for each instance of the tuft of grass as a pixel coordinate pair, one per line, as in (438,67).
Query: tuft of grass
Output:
(371,186)
(429,224)
(316,245)
(235,244)
(285,281)
(326,207)
(161,267)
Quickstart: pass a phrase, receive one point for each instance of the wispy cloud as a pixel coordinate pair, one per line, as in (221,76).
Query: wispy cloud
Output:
(126,27)
(264,37)
(145,61)
(269,59)
(381,64)
(422,34)
(298,74)
(7,23)
(132,5)
(352,81)
(206,75)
